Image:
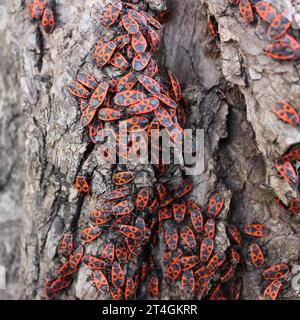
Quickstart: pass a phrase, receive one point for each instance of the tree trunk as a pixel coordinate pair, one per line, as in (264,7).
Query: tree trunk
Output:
(230,87)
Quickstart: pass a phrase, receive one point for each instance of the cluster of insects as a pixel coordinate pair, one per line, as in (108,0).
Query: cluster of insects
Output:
(283,45)
(128,221)
(41,11)
(203,271)
(142,101)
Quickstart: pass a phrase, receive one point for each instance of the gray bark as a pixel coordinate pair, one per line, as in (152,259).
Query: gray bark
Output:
(230,87)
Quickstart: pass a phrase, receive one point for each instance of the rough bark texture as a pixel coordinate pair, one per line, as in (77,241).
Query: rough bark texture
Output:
(230,85)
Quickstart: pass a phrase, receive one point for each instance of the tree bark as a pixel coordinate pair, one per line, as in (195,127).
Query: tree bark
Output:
(230,86)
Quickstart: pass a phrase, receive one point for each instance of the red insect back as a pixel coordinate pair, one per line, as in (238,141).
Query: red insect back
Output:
(48,20)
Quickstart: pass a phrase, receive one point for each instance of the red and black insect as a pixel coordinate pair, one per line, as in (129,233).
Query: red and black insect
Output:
(163,117)
(111,14)
(127,82)
(121,178)
(78,90)
(139,17)
(175,87)
(188,281)
(195,213)
(117,275)
(142,199)
(121,252)
(174,270)
(141,61)
(95,127)
(149,84)
(129,289)
(82,185)
(246,10)
(76,257)
(265,11)
(104,205)
(130,24)
(119,61)
(116,293)
(94,263)
(179,210)
(153,286)
(277,271)
(89,234)
(131,232)
(281,51)
(201,287)
(286,48)
(99,95)
(100,281)
(152,68)
(188,237)
(138,42)
(235,256)
(256,255)
(166,100)
(129,97)
(143,107)
(154,22)
(118,193)
(154,39)
(215,205)
(36,8)
(279,26)
(209,228)
(84,103)
(256,230)
(204,272)
(171,236)
(273,289)
(53,286)
(108,253)
(108,114)
(104,52)
(228,273)
(234,233)
(286,113)
(287,171)
(66,269)
(123,208)
(153,207)
(185,188)
(87,116)
(206,249)
(217,260)
(123,40)
(48,20)
(133,246)
(66,245)
(135,124)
